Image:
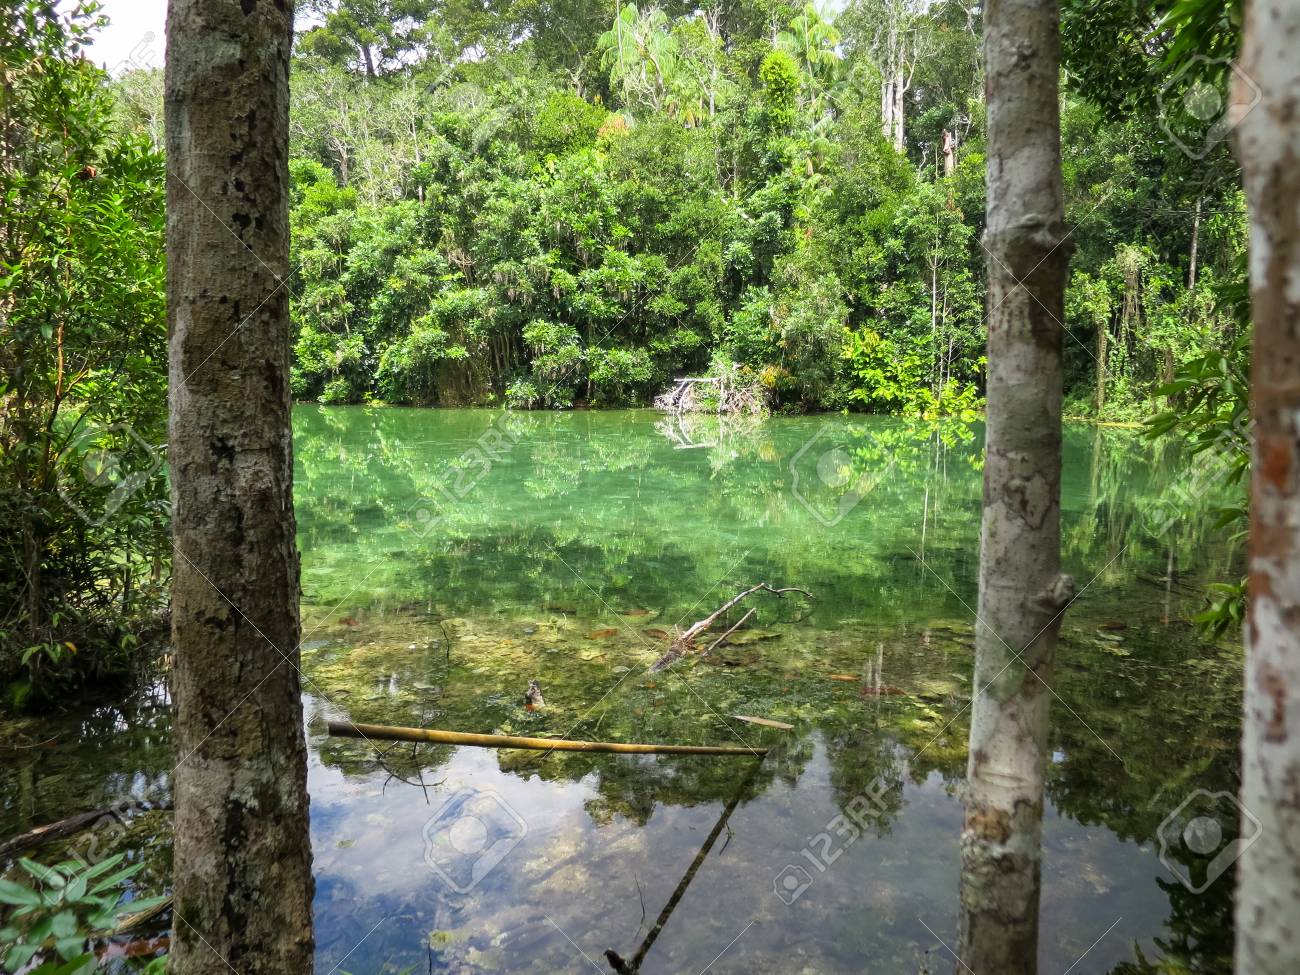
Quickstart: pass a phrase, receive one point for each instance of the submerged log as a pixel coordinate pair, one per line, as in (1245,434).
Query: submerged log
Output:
(62,829)
(379,732)
(51,831)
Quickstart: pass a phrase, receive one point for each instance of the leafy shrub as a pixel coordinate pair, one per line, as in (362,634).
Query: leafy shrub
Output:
(60,908)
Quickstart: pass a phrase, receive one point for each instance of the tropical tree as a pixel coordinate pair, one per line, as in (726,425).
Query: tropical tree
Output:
(243,882)
(82,336)
(1268,890)
(377,36)
(813,42)
(640,54)
(1022,593)
(896,35)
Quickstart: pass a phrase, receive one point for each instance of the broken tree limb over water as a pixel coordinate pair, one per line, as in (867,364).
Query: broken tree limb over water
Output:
(686,641)
(379,732)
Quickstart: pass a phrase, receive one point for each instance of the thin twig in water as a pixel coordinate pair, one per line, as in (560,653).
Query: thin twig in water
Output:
(421,784)
(18,748)
(686,640)
(730,631)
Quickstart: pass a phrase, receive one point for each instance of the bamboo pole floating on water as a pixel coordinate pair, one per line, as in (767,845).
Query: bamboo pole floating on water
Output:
(346,729)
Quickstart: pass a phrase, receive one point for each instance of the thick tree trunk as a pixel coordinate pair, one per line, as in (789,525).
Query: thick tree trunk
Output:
(1268,890)
(243,880)
(1022,592)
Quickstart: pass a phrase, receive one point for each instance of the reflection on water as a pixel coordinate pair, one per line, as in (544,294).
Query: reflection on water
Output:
(450,557)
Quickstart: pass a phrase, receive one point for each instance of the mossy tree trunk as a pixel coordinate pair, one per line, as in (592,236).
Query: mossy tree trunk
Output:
(1268,889)
(1022,592)
(243,880)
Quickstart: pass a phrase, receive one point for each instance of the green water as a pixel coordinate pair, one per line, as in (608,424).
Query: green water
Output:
(450,557)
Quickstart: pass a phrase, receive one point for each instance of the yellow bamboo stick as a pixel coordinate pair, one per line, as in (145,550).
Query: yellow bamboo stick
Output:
(346,729)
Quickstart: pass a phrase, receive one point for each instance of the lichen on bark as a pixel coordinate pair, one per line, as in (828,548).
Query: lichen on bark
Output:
(243,881)
(1268,144)
(1022,590)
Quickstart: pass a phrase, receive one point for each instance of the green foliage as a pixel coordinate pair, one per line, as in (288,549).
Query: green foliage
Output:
(82,354)
(373,35)
(1209,410)
(688,183)
(779,78)
(891,379)
(52,912)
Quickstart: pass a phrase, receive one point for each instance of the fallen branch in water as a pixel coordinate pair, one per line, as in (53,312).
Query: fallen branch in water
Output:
(686,641)
(50,832)
(379,732)
(129,922)
(739,623)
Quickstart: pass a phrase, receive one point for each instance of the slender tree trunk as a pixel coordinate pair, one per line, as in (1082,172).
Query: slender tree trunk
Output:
(1103,350)
(1268,890)
(243,879)
(1022,591)
(900,89)
(1196,237)
(886,128)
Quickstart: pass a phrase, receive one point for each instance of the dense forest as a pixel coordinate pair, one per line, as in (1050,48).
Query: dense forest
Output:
(552,205)
(539,206)
(915,240)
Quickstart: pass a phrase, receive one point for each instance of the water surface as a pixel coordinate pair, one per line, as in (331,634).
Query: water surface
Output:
(450,557)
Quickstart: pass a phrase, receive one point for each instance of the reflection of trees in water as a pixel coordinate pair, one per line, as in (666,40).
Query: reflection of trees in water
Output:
(1139,509)
(1200,935)
(632,786)
(359,472)
(93,758)
(629,532)
(1171,714)
(642,549)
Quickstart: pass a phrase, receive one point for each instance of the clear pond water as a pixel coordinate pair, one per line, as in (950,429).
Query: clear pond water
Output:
(450,557)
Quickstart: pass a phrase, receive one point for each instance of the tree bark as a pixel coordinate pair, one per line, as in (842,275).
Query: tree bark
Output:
(1103,352)
(1196,237)
(243,881)
(1268,891)
(1022,592)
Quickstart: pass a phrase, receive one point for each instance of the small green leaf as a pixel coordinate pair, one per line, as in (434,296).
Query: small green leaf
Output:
(16,894)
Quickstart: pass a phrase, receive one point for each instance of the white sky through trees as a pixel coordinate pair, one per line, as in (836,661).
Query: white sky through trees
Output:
(131,21)
(135,30)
